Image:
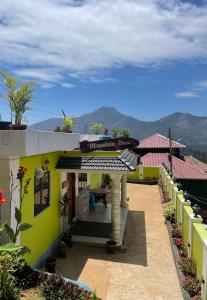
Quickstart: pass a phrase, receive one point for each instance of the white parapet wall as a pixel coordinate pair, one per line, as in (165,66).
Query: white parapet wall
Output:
(20,143)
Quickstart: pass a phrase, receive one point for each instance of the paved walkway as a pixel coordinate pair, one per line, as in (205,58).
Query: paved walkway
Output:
(146,271)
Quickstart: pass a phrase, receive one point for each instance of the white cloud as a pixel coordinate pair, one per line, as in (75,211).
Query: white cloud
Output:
(86,36)
(68,85)
(202,85)
(186,95)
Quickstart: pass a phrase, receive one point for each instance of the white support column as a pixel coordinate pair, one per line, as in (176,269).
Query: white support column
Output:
(192,220)
(124,190)
(115,201)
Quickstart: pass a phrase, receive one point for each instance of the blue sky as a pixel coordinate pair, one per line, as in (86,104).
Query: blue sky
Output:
(147,58)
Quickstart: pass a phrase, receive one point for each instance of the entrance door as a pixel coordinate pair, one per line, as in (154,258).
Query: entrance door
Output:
(71,196)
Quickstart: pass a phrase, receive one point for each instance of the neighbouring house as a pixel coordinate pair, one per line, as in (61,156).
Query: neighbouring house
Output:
(158,143)
(66,172)
(193,180)
(196,163)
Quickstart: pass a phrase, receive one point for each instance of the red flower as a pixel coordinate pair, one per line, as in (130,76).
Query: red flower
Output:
(2,199)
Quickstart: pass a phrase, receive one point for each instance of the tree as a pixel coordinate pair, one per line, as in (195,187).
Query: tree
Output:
(115,132)
(96,128)
(124,133)
(17,95)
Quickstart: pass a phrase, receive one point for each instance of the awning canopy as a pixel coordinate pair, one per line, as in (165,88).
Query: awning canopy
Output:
(126,162)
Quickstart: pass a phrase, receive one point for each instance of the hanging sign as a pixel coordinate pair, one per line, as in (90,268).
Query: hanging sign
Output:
(109,145)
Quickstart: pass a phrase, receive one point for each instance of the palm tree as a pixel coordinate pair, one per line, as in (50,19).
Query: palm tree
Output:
(17,95)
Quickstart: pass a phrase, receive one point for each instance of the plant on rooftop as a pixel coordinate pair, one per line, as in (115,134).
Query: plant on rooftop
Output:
(115,132)
(96,128)
(69,123)
(124,133)
(18,95)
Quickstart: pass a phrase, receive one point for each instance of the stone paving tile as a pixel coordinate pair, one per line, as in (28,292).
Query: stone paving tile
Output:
(146,271)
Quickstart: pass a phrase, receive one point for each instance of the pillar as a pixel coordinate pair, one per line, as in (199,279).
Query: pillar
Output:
(124,190)
(115,213)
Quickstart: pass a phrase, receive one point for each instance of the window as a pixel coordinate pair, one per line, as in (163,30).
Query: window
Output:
(41,193)
(82,181)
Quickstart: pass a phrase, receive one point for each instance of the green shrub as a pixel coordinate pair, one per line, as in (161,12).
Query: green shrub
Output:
(192,286)
(8,287)
(169,212)
(188,267)
(55,287)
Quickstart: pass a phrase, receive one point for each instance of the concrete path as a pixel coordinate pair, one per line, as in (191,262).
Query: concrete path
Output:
(146,271)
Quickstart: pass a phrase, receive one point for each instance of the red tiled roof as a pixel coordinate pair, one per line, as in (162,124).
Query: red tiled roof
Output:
(158,141)
(181,169)
(196,163)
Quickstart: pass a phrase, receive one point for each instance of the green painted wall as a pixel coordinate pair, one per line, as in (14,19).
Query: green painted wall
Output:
(186,212)
(198,233)
(134,175)
(46,225)
(94,180)
(151,172)
(77,153)
(148,172)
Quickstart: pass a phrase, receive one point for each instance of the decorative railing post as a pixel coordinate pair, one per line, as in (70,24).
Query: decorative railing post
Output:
(192,220)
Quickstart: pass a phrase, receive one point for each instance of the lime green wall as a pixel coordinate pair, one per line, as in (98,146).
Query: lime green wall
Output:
(77,153)
(46,225)
(94,180)
(186,212)
(151,172)
(133,175)
(148,172)
(198,234)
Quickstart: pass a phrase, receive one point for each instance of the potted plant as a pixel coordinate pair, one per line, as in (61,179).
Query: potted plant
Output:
(18,96)
(69,123)
(62,250)
(110,246)
(50,264)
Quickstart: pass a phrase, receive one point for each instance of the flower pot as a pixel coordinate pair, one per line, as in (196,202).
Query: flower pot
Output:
(62,251)
(50,264)
(18,127)
(111,246)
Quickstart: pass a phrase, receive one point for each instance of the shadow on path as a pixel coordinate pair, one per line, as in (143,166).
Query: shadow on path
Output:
(134,242)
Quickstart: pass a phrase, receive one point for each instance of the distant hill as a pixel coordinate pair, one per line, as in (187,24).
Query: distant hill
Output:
(192,130)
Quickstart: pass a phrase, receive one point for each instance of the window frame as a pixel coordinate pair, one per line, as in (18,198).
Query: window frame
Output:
(39,188)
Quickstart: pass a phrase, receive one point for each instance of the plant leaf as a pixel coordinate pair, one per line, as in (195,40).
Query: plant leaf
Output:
(25,250)
(10,247)
(18,215)
(10,233)
(2,225)
(24,226)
